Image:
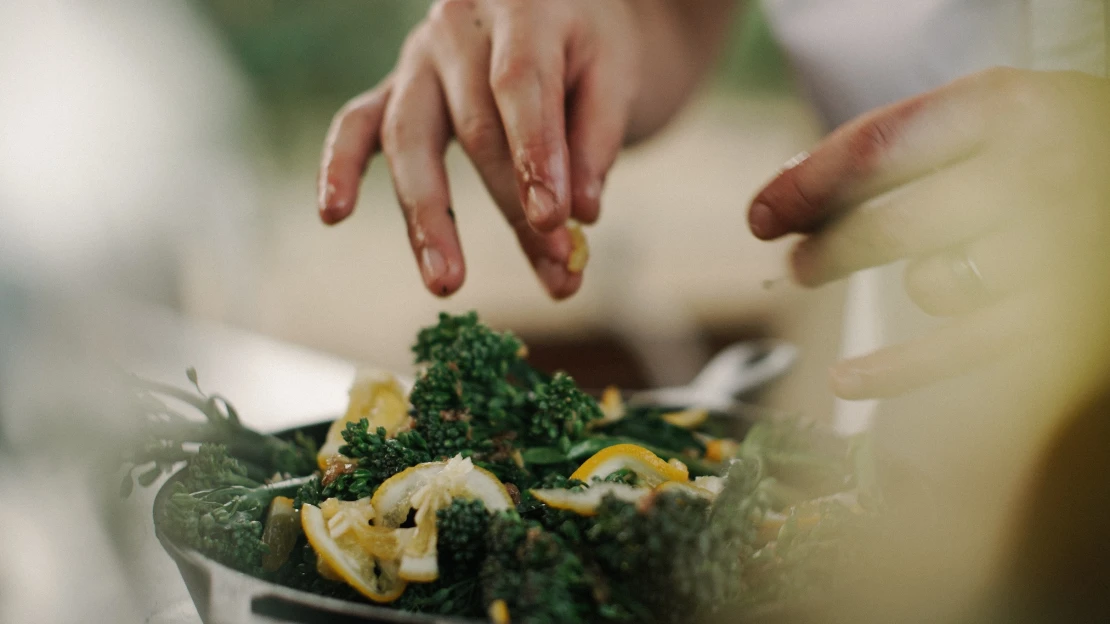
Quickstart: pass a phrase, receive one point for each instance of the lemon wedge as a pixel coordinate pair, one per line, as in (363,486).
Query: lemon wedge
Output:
(612,407)
(651,469)
(376,396)
(684,487)
(580,249)
(688,418)
(341,554)
(427,488)
(280,532)
(720,449)
(585,502)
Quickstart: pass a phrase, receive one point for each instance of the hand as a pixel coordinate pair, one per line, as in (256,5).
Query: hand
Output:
(996,188)
(539,96)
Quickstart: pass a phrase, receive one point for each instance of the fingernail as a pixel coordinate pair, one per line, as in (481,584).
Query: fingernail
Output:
(432,264)
(592,190)
(763,222)
(541,204)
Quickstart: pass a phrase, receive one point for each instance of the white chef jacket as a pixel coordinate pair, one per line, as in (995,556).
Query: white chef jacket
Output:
(852,56)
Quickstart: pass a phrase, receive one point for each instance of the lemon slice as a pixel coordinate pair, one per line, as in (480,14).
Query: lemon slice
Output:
(427,488)
(376,396)
(688,418)
(651,469)
(685,487)
(498,612)
(585,502)
(612,407)
(385,543)
(713,484)
(580,249)
(720,449)
(280,533)
(345,557)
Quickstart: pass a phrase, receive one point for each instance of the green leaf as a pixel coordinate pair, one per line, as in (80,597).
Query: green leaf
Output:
(544,455)
(589,446)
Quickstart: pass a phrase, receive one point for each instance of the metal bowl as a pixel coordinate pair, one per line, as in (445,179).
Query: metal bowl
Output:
(223,595)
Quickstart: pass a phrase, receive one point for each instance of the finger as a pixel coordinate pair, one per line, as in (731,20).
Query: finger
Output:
(598,119)
(351,140)
(967,343)
(875,153)
(526,77)
(462,62)
(924,216)
(965,278)
(550,256)
(414,137)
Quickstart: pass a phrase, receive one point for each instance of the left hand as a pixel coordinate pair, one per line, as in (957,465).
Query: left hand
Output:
(996,187)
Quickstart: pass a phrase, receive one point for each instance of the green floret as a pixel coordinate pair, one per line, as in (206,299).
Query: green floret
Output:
(535,572)
(378,457)
(469,345)
(560,413)
(461,548)
(478,397)
(311,493)
(656,560)
(454,414)
(461,529)
(224,523)
(802,455)
(166,436)
(212,467)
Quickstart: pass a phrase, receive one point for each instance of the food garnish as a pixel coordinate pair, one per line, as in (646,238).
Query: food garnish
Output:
(375,396)
(647,466)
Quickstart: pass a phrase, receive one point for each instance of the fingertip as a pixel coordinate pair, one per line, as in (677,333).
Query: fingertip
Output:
(332,204)
(443,274)
(586,207)
(333,214)
(763,222)
(559,282)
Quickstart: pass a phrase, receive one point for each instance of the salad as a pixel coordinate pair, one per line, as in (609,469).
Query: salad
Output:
(494,490)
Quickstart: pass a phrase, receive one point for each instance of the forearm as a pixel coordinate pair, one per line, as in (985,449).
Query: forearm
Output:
(680,40)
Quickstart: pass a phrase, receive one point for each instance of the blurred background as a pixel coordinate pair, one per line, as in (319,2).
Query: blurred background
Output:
(157,210)
(169,152)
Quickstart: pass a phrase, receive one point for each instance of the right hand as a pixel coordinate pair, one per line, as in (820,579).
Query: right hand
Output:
(539,96)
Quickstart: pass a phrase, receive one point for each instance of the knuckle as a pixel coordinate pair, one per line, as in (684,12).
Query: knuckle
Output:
(422,213)
(417,41)
(511,70)
(806,205)
(793,202)
(451,11)
(394,129)
(876,136)
(480,135)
